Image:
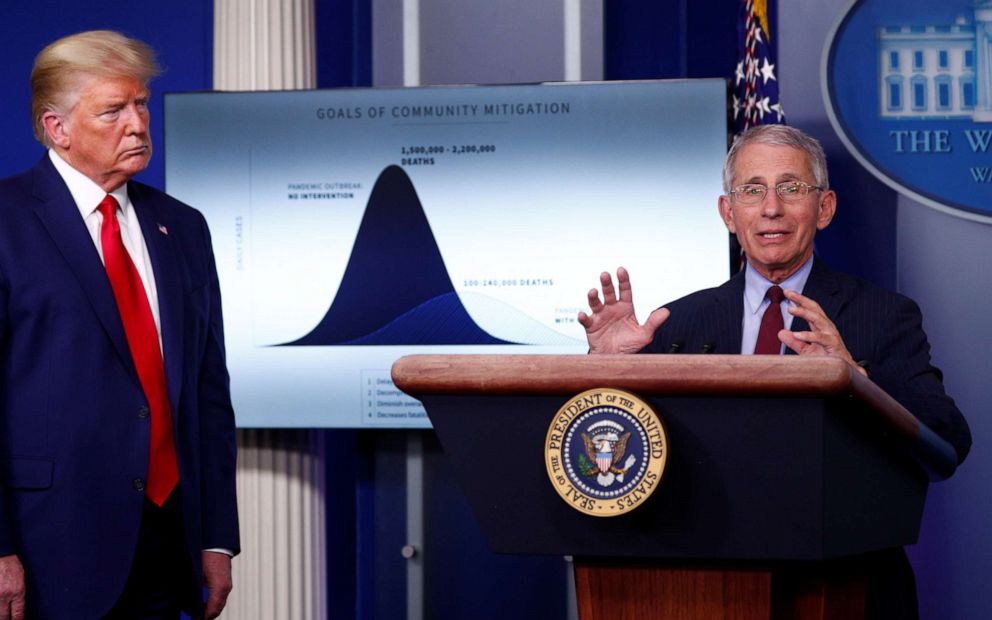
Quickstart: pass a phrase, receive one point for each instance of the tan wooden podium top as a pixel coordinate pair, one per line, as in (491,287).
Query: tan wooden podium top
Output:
(671,375)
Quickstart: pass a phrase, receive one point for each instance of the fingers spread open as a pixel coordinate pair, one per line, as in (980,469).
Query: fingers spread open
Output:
(623,282)
(609,293)
(594,303)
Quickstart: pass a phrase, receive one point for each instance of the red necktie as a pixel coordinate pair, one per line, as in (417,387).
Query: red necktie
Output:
(142,340)
(771,323)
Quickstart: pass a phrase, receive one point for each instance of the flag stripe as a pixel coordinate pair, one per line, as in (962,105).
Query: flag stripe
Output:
(756,99)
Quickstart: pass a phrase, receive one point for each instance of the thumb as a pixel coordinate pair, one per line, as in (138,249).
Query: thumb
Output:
(790,340)
(655,319)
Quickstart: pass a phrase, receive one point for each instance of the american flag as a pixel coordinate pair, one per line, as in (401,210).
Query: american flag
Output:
(755,85)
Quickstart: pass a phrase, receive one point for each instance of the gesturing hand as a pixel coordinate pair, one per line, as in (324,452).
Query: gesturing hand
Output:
(822,337)
(613,327)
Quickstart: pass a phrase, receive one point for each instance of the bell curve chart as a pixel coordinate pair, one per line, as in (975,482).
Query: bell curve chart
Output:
(351,227)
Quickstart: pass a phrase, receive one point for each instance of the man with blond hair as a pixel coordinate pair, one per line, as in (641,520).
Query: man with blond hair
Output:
(117,448)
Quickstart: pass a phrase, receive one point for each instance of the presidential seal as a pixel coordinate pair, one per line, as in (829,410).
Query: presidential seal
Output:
(605,452)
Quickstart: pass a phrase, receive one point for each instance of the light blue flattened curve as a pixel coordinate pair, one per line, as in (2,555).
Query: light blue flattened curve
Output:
(939,155)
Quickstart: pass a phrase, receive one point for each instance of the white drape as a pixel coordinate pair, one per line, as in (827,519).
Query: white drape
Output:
(281,573)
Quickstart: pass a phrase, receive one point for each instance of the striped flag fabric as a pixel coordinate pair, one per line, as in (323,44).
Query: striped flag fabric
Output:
(756,99)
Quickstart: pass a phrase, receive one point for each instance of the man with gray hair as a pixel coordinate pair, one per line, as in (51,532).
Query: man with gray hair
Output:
(776,197)
(117,450)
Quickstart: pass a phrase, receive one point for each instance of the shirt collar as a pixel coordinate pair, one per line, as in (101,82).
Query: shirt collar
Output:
(84,190)
(756,285)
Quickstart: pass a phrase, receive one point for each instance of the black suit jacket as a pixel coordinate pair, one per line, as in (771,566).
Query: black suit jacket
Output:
(880,328)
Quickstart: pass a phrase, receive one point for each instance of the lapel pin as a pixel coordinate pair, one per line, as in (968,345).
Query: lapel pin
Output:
(162,229)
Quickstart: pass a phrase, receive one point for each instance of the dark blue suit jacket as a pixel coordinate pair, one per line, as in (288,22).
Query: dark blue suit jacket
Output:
(880,328)
(73,438)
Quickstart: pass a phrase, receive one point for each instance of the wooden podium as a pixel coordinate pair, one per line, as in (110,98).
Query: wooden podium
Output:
(784,475)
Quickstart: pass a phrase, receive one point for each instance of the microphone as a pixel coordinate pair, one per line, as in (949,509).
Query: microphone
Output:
(708,347)
(676,346)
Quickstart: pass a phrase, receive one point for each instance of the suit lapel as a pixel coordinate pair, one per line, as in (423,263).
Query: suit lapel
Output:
(168,284)
(726,316)
(57,211)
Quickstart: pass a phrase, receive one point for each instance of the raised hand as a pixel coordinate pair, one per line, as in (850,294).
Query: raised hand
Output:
(822,337)
(613,327)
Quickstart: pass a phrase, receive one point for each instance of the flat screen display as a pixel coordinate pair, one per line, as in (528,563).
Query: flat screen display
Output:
(352,227)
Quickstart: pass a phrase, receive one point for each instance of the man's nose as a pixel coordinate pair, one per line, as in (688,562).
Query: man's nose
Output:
(772,205)
(137,120)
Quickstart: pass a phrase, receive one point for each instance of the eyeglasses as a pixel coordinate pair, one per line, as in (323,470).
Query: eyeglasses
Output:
(788,191)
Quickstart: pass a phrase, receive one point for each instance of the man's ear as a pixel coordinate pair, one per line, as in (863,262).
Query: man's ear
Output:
(828,207)
(727,213)
(55,129)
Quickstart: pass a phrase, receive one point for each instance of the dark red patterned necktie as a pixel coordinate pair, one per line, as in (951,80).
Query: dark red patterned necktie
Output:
(142,340)
(771,323)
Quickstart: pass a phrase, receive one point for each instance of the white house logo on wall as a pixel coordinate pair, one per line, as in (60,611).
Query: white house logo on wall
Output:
(908,87)
(605,452)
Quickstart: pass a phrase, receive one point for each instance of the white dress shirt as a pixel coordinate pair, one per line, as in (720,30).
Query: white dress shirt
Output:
(88,196)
